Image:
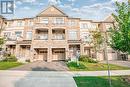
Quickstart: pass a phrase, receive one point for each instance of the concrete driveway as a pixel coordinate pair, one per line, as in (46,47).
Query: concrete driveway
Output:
(43,66)
(119,63)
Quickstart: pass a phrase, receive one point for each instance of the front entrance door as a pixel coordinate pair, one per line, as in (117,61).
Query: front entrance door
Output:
(43,55)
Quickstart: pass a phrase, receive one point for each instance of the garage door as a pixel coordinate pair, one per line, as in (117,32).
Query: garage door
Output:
(43,55)
(58,54)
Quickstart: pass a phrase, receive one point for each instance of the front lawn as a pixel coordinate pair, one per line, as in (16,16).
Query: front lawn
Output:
(8,65)
(117,81)
(85,66)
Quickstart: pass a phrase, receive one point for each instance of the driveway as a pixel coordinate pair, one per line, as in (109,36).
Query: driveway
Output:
(43,66)
(119,63)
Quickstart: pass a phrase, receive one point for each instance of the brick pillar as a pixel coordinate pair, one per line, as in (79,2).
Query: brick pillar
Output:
(67,53)
(17,54)
(81,49)
(49,55)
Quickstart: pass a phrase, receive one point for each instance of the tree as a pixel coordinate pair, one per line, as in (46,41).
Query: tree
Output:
(120,34)
(2,26)
(97,41)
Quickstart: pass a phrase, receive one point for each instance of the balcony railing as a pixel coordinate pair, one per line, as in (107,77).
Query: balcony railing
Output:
(41,25)
(58,24)
(58,37)
(11,38)
(74,41)
(24,42)
(41,37)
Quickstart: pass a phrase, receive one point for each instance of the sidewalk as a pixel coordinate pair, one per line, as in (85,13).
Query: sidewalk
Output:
(48,78)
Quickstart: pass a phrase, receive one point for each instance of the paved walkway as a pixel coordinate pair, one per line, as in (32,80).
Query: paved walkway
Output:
(48,78)
(43,66)
(120,63)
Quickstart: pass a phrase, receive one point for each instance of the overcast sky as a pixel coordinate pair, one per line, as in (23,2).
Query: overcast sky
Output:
(86,9)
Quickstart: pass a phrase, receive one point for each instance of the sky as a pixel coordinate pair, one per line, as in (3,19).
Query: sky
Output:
(84,9)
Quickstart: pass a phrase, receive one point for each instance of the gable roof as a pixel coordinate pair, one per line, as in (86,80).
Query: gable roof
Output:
(47,12)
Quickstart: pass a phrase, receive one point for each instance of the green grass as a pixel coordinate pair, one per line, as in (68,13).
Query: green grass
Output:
(117,81)
(85,66)
(8,65)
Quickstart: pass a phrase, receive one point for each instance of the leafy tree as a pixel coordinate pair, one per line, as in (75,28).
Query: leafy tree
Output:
(97,40)
(2,26)
(120,34)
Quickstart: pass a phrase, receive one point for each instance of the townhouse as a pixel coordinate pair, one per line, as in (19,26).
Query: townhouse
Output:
(52,36)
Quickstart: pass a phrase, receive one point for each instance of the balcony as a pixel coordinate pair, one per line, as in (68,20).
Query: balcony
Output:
(41,34)
(58,34)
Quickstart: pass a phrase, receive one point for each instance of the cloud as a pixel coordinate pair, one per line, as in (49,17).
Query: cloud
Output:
(97,11)
(55,2)
(119,0)
(18,2)
(29,1)
(26,8)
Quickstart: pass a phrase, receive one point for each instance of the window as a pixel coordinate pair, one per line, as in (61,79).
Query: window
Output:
(7,34)
(86,37)
(30,23)
(45,20)
(72,35)
(84,26)
(18,33)
(19,23)
(72,23)
(94,26)
(29,35)
(58,21)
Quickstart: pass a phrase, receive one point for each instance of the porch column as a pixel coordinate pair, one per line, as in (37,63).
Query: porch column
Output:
(49,55)
(32,54)
(49,34)
(81,49)
(67,53)
(17,54)
(66,35)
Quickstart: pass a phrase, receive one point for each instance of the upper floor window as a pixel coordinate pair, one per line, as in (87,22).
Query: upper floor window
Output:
(58,20)
(18,33)
(29,35)
(7,34)
(45,20)
(30,23)
(108,26)
(19,23)
(86,37)
(93,26)
(84,26)
(72,23)
(73,35)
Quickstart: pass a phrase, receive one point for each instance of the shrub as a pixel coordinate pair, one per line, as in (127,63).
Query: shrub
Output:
(85,58)
(10,58)
(28,60)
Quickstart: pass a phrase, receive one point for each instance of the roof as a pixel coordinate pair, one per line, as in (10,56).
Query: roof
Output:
(63,14)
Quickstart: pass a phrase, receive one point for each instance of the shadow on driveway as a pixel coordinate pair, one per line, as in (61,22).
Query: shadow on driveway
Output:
(43,66)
